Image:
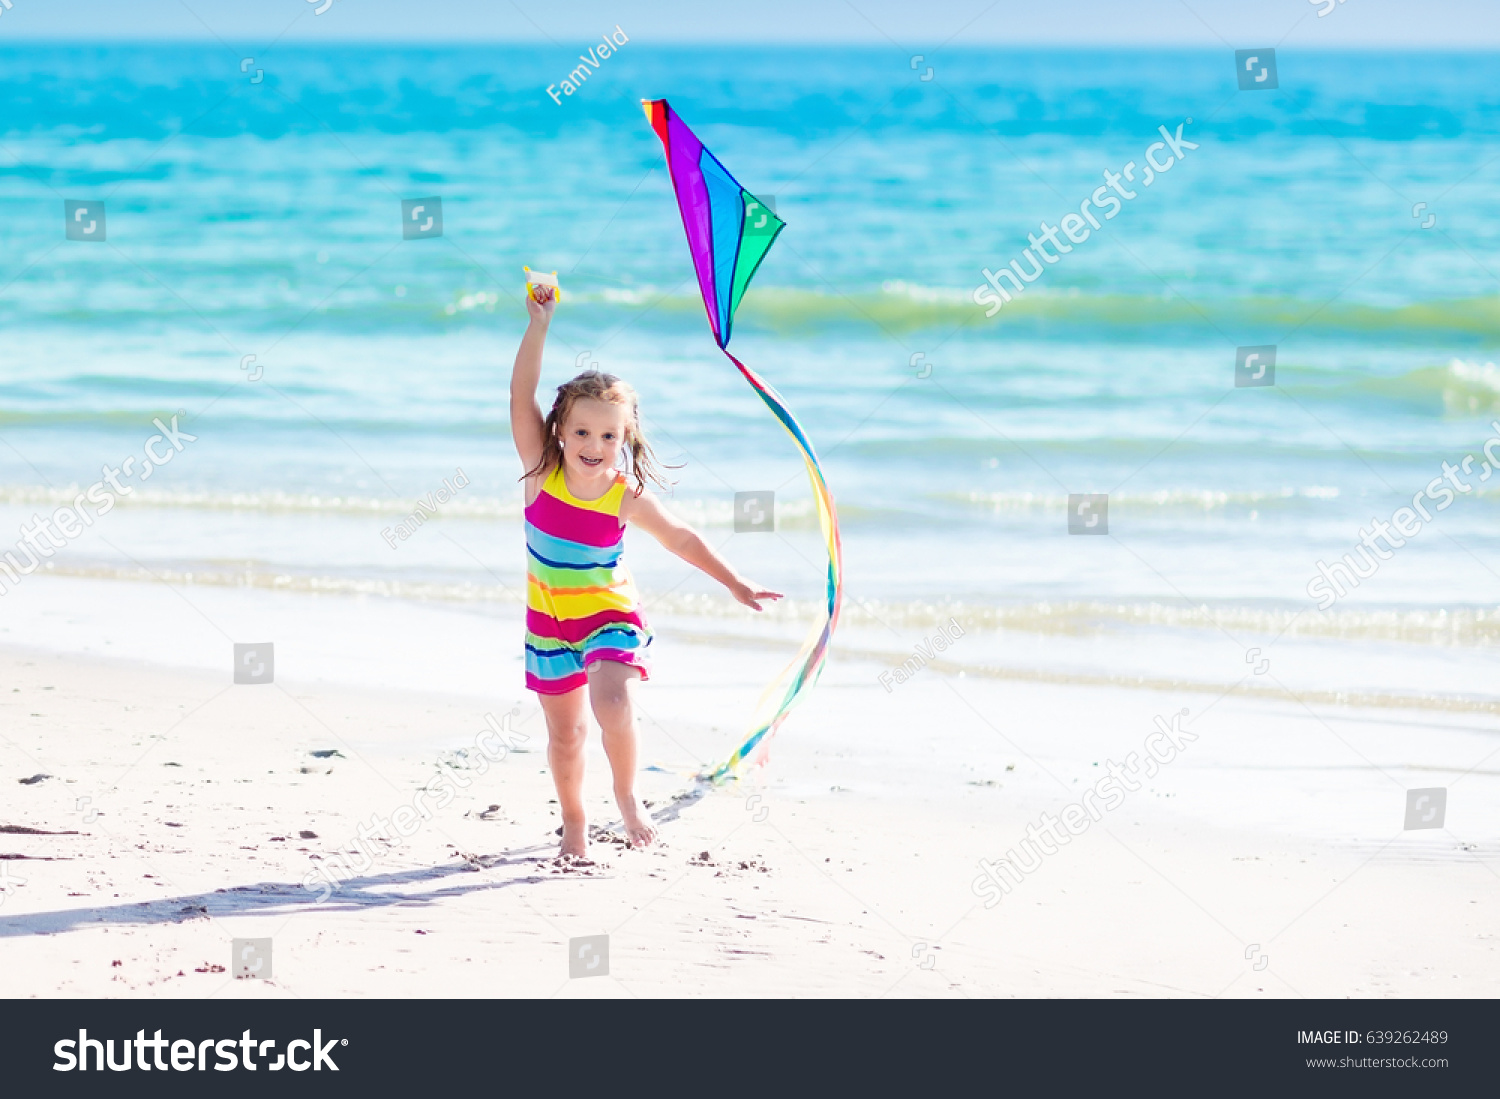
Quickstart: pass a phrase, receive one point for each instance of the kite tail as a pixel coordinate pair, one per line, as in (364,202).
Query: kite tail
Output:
(798,677)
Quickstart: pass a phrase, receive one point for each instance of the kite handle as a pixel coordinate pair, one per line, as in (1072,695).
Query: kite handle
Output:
(541,278)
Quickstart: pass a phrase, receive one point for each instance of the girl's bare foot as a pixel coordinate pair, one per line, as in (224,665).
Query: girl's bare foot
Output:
(638,827)
(575,839)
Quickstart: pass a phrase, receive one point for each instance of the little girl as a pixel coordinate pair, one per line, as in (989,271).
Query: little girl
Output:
(584,627)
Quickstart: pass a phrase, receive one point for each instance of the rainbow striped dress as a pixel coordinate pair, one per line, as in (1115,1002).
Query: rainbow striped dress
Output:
(581,603)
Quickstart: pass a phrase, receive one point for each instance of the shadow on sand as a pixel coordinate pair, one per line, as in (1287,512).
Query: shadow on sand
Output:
(271,898)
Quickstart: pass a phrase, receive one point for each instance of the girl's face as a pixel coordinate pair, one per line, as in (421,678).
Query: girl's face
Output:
(592,437)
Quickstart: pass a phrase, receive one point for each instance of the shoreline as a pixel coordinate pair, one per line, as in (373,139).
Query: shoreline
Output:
(1419,660)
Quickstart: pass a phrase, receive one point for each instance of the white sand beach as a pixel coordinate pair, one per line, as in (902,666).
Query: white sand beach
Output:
(181,812)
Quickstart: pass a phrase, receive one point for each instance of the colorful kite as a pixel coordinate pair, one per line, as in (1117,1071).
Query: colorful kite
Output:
(729,232)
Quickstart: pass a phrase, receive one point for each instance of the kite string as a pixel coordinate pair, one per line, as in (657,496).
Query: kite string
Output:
(804,669)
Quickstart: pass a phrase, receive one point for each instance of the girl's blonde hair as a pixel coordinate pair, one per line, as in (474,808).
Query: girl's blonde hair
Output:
(597,386)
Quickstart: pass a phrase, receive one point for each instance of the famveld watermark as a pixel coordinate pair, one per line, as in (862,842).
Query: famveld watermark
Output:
(608,44)
(1044,838)
(1328,586)
(938,642)
(68,522)
(491,745)
(408,526)
(1077,226)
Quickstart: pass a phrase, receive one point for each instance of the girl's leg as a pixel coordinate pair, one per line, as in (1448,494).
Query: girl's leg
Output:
(610,686)
(567,731)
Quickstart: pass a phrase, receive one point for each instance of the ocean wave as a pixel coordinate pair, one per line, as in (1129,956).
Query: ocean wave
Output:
(1475,316)
(1463,626)
(1166,499)
(268,417)
(1470,388)
(252,574)
(467,303)
(791,514)
(905,306)
(460,506)
(902,307)
(1427,626)
(1461,388)
(897,307)
(1471,626)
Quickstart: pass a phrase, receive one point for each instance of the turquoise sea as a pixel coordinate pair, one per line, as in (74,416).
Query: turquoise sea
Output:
(264,219)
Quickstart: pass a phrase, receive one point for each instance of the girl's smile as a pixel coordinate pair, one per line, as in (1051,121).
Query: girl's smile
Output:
(593,437)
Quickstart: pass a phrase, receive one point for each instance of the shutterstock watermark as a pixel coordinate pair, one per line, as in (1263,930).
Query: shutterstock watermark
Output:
(10,881)
(588,956)
(408,526)
(491,745)
(923,653)
(85,1054)
(1045,838)
(67,523)
(1328,586)
(1076,227)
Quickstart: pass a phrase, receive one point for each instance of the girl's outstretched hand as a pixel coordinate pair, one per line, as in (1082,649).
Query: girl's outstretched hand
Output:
(750,594)
(541,311)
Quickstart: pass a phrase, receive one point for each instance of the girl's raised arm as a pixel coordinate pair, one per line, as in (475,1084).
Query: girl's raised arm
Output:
(525,413)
